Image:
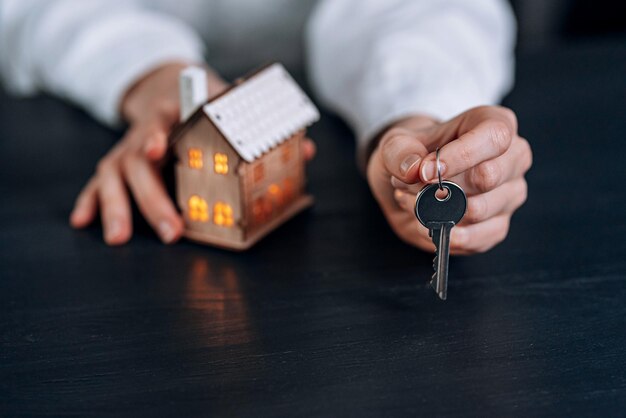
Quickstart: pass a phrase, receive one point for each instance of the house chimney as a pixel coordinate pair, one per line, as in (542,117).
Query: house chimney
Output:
(193,90)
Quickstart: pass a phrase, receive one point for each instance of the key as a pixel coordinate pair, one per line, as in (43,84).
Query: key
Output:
(439,210)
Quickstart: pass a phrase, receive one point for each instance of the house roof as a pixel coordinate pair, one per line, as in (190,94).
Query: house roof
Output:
(261,112)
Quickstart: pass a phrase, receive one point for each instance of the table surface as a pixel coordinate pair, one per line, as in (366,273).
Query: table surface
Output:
(331,314)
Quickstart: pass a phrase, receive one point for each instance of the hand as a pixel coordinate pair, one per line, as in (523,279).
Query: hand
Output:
(151,107)
(480,150)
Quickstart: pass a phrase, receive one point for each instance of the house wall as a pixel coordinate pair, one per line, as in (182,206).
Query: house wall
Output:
(266,197)
(206,183)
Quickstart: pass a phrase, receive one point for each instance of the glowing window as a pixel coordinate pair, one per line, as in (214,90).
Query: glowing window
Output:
(198,209)
(220,163)
(195,158)
(222,214)
(261,210)
(276,194)
(258,172)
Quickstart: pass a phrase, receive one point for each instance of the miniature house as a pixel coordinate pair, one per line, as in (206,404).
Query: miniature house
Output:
(239,172)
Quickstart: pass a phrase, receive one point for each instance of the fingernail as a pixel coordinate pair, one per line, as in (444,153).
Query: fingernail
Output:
(153,142)
(397,184)
(429,170)
(167,232)
(113,229)
(149,146)
(77,216)
(409,162)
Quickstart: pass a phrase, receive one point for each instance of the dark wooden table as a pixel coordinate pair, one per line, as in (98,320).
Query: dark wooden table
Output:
(331,315)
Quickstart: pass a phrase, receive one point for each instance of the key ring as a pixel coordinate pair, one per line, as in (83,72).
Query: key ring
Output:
(439,171)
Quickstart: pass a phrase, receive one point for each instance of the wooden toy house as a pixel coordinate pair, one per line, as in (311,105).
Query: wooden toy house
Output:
(239,169)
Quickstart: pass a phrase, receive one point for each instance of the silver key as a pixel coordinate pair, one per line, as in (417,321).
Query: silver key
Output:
(439,214)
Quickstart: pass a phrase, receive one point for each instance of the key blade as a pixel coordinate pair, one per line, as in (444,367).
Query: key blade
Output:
(441,238)
(440,285)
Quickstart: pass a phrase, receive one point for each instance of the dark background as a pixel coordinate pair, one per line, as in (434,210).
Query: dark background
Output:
(546,24)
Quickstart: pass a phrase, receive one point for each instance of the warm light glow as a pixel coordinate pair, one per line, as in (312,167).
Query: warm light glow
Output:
(261,209)
(221,163)
(276,194)
(257,210)
(214,295)
(258,172)
(195,158)
(222,214)
(198,209)
(274,189)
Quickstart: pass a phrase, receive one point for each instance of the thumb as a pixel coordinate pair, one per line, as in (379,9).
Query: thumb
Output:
(402,151)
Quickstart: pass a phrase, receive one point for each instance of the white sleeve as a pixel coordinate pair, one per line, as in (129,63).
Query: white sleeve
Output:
(375,61)
(89,52)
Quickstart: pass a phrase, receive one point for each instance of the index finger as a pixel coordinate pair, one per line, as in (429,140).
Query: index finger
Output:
(482,138)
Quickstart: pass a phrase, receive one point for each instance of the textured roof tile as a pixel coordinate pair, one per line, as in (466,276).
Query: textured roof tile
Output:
(262,112)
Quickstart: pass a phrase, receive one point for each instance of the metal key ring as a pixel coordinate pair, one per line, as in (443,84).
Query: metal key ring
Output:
(439,171)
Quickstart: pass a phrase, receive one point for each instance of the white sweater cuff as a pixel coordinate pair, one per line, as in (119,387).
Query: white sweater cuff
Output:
(117,53)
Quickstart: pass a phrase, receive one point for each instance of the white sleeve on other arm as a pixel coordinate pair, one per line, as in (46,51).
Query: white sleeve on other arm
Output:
(376,61)
(89,52)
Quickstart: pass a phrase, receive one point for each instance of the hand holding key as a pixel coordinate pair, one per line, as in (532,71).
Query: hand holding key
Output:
(480,150)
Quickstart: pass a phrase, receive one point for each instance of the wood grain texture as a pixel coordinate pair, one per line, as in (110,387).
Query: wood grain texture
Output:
(331,315)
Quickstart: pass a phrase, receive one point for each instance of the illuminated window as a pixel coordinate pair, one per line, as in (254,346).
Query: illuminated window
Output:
(276,194)
(220,163)
(285,155)
(195,158)
(222,214)
(261,209)
(258,172)
(198,209)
